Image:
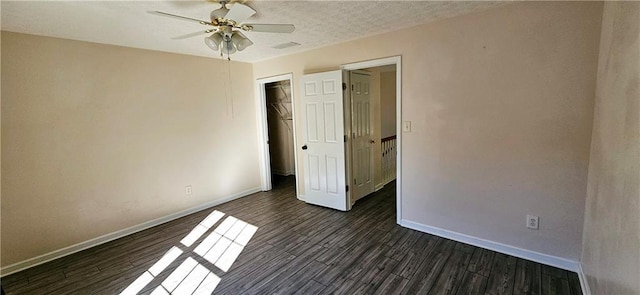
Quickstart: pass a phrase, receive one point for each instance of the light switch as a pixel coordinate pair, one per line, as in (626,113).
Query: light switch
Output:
(406,126)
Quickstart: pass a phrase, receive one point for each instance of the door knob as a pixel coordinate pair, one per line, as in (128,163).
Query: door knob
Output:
(372,141)
(304,147)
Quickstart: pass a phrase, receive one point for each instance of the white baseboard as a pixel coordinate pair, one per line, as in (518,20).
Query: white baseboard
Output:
(22,265)
(381,185)
(495,246)
(283,173)
(583,281)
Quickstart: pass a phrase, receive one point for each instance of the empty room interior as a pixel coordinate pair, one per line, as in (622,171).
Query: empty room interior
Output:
(320,147)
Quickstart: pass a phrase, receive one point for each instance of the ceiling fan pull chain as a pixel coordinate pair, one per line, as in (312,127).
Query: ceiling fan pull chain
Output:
(230,106)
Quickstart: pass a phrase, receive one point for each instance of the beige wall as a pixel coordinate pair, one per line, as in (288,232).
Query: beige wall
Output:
(501,104)
(387,104)
(98,138)
(611,245)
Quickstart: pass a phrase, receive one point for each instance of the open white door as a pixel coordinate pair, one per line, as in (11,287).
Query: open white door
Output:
(361,136)
(323,149)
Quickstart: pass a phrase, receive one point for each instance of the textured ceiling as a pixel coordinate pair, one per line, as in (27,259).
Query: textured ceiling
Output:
(318,23)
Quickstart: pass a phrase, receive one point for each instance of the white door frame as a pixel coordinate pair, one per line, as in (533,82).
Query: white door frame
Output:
(397,61)
(263,129)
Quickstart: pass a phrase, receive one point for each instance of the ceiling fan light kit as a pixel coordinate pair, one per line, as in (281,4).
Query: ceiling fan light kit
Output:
(214,41)
(228,47)
(235,41)
(240,41)
(228,24)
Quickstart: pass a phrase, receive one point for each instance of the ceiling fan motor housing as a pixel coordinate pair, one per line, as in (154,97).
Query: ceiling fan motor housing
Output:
(226,31)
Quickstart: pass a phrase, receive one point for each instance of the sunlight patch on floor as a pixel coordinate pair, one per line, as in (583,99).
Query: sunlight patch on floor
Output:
(153,271)
(221,248)
(168,257)
(202,228)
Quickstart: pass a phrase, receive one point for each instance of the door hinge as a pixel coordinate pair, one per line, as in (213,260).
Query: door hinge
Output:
(345,138)
(347,188)
(351,87)
(344,86)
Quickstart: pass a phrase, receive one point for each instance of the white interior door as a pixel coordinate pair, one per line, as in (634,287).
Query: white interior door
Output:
(323,149)
(362,135)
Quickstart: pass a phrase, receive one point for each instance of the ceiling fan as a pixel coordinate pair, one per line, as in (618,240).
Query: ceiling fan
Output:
(227,25)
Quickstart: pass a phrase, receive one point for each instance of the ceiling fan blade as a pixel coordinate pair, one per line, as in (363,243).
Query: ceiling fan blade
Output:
(239,13)
(270,28)
(180,17)
(193,34)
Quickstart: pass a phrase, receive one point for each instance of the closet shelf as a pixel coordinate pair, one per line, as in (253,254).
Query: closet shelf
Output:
(282,107)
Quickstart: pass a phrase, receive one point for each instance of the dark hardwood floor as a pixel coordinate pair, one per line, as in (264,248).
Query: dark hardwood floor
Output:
(297,248)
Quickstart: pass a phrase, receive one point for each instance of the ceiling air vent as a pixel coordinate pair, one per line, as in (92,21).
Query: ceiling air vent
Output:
(286,45)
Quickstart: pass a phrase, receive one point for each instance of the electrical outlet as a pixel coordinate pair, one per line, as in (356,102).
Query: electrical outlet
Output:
(532,222)
(188,190)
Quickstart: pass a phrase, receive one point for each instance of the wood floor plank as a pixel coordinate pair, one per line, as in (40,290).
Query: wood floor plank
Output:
(372,264)
(393,284)
(465,247)
(427,273)
(409,264)
(481,262)
(552,285)
(242,284)
(286,271)
(554,272)
(574,284)
(14,284)
(335,254)
(107,282)
(311,287)
(298,280)
(264,261)
(502,277)
(374,277)
(40,281)
(452,273)
(527,278)
(343,264)
(297,249)
(472,283)
(315,239)
(394,235)
(400,249)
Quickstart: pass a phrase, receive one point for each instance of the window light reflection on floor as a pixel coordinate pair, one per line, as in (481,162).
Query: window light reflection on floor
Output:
(221,248)
(202,228)
(152,272)
(226,242)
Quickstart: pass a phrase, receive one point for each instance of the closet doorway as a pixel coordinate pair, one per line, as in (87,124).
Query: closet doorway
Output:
(280,130)
(276,113)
